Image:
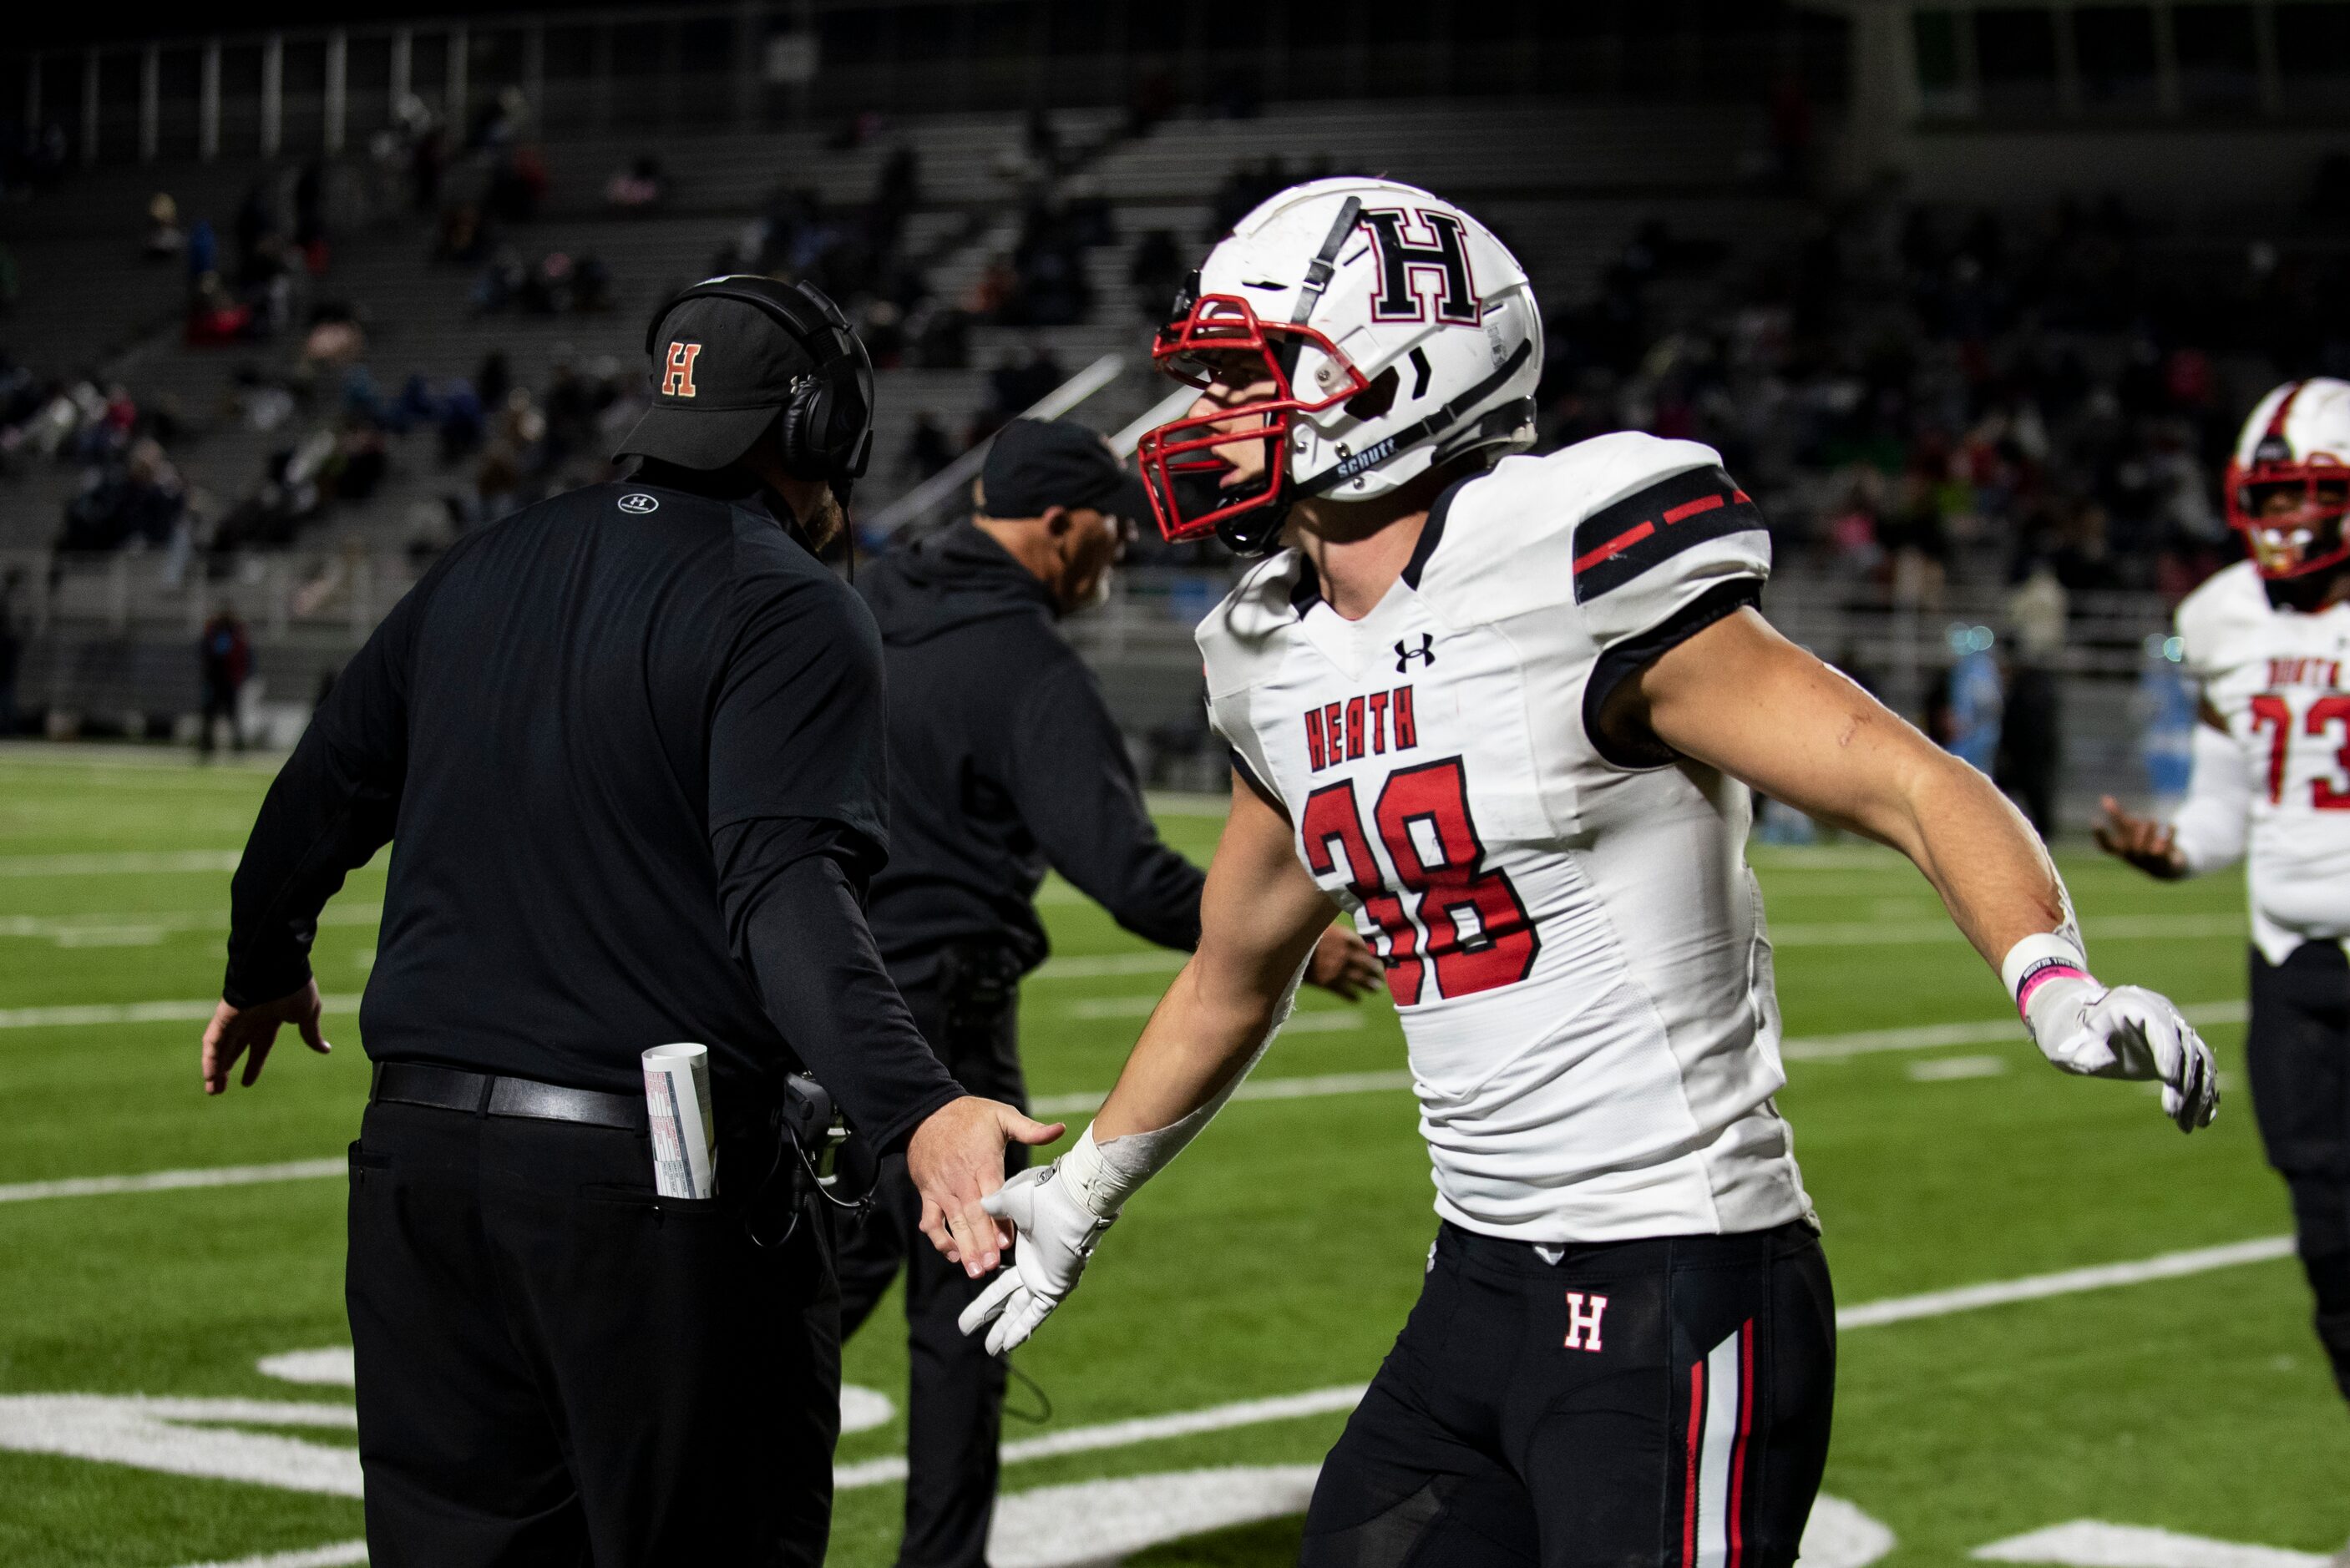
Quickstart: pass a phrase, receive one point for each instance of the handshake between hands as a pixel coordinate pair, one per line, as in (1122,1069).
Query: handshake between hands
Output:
(971,1215)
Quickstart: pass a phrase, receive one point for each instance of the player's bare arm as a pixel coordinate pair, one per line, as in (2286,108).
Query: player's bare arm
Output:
(1260,917)
(1740,697)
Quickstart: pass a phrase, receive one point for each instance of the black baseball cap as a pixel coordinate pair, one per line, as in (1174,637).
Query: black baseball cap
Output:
(722,368)
(1038,464)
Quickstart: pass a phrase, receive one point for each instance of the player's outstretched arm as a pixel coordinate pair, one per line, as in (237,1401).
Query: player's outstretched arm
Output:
(1739,697)
(1259,918)
(2210,826)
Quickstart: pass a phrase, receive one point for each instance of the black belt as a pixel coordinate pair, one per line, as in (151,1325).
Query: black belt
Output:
(488,1095)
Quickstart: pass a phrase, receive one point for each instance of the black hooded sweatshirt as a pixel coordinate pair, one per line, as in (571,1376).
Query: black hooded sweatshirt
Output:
(1003,760)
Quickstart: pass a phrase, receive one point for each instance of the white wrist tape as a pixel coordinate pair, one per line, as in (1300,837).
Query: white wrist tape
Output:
(1103,1175)
(2038,960)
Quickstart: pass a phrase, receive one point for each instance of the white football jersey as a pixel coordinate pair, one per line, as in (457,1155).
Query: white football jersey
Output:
(1574,942)
(2275,676)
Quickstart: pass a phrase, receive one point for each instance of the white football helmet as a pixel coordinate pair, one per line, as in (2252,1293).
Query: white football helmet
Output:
(1394,331)
(2288,484)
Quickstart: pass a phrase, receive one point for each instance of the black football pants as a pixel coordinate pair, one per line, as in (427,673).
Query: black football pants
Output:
(559,1369)
(2297,1052)
(955,1415)
(1659,1403)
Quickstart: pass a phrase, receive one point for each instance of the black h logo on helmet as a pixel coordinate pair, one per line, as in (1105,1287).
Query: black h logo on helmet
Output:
(1447,254)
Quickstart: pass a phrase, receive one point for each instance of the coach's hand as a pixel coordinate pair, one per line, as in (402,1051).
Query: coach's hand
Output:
(250,1031)
(1057,1234)
(1342,965)
(956,1160)
(2127,1031)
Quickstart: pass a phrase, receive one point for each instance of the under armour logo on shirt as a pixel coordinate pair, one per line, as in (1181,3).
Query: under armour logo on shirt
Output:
(1404,656)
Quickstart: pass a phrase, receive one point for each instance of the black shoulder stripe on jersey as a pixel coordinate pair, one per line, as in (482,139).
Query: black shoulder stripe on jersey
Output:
(1648,527)
(1620,661)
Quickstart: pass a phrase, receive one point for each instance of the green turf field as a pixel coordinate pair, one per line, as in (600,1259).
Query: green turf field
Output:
(1278,1258)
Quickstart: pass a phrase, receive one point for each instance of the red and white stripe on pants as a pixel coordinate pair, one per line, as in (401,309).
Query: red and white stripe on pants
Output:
(1721,1419)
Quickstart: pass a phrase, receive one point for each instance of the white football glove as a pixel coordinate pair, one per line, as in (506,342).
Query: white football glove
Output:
(1057,1234)
(2127,1031)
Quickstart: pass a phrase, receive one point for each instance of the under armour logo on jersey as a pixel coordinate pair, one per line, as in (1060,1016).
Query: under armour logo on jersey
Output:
(1426,650)
(677,381)
(1582,1322)
(1446,255)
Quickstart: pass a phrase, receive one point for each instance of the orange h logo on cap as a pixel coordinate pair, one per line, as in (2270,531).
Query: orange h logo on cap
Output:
(678,382)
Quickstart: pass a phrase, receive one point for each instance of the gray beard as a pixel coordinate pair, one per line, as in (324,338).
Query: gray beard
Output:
(821,527)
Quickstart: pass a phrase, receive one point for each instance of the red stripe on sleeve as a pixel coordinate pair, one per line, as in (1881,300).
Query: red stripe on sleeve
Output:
(1615,547)
(1691,508)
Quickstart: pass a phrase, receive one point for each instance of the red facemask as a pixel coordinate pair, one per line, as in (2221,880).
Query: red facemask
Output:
(1221,341)
(2308,539)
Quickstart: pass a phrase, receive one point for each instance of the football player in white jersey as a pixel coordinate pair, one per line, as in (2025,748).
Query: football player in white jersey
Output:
(1506,710)
(2268,639)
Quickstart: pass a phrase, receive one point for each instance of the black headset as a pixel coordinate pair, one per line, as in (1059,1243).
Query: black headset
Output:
(825,427)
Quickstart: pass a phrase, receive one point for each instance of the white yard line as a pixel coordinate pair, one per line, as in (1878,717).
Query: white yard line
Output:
(2068,1282)
(192,1010)
(1128,1434)
(335,1556)
(132,928)
(110,863)
(1921,933)
(167,1180)
(2093,1543)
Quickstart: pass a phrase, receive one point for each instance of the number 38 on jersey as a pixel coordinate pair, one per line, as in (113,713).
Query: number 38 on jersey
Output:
(1439,911)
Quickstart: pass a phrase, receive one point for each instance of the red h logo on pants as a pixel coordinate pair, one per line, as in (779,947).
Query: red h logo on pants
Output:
(677,381)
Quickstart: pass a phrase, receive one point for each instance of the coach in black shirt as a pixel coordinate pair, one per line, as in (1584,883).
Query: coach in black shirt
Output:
(1003,760)
(627,746)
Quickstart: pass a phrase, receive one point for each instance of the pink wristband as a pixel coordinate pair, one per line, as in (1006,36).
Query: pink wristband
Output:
(2039,974)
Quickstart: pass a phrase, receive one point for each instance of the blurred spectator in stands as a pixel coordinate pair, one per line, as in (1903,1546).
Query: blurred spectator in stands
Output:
(2030,730)
(310,215)
(12,649)
(216,317)
(224,664)
(1975,697)
(1155,274)
(460,422)
(256,221)
(203,250)
(136,499)
(927,448)
(993,289)
(464,235)
(164,239)
(638,187)
(427,149)
(335,338)
(518,184)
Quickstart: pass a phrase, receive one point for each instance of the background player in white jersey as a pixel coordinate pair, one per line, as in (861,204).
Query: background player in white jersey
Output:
(1501,712)
(2268,639)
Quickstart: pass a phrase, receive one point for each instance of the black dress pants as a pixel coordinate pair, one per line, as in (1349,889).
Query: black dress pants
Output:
(1650,1404)
(558,1368)
(967,1007)
(2297,1054)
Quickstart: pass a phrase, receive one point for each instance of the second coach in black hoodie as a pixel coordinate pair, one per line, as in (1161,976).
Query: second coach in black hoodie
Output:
(1003,761)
